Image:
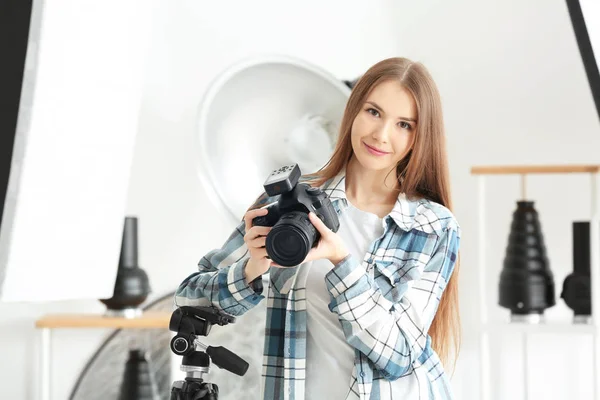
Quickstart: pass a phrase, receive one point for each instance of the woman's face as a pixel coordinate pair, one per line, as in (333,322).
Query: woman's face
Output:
(384,129)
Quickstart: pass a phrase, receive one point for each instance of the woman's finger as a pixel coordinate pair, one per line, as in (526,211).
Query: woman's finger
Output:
(320,225)
(250,215)
(256,231)
(258,242)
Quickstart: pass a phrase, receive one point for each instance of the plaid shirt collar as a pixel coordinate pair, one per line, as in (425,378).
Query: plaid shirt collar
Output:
(403,213)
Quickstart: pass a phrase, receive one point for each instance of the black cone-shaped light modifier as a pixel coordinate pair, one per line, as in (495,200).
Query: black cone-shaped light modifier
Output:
(132,285)
(576,288)
(138,380)
(526,281)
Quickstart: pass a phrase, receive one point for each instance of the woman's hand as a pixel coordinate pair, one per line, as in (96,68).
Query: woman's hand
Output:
(255,239)
(330,246)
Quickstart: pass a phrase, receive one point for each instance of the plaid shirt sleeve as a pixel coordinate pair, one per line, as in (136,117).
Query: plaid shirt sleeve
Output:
(393,335)
(220,279)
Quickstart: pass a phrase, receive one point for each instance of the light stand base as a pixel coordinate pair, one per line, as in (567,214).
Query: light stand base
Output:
(124,313)
(582,319)
(527,318)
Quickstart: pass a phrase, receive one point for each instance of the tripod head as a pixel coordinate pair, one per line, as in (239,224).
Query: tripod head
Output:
(189,323)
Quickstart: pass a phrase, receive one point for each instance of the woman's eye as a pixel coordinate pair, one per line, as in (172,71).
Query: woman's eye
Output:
(404,125)
(373,112)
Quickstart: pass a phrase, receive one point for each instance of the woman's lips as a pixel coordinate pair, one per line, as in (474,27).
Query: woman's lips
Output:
(374,151)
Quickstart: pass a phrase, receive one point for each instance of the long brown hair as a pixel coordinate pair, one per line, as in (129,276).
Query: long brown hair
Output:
(422,173)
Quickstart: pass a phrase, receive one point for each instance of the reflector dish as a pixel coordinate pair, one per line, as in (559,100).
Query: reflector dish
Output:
(260,114)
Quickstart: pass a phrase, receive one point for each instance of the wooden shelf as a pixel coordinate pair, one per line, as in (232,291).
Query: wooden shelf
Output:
(146,320)
(533,169)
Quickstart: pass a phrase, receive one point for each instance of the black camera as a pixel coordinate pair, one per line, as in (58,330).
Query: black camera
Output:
(293,235)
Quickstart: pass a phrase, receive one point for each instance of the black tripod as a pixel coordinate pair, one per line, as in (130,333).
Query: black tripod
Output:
(190,322)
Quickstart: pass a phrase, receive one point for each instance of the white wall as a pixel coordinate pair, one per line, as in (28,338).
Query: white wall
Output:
(514,91)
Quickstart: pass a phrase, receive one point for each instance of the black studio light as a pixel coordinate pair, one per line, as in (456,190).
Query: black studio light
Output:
(576,291)
(132,285)
(138,379)
(526,282)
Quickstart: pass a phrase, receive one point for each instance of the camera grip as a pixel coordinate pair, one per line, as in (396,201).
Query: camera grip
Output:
(326,213)
(267,220)
(260,221)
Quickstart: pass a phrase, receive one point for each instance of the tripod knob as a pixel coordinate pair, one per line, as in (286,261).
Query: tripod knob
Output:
(180,345)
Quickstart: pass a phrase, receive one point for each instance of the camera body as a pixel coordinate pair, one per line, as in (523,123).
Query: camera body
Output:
(292,234)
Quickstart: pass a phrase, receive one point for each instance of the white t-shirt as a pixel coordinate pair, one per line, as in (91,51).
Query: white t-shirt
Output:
(329,358)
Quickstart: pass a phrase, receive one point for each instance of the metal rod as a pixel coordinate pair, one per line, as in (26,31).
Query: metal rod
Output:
(595,279)
(525,367)
(199,345)
(484,334)
(594,192)
(46,381)
(523,187)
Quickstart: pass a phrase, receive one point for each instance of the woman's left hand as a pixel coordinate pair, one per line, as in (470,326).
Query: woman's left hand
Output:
(330,246)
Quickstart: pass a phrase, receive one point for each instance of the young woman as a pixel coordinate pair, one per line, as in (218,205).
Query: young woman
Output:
(372,313)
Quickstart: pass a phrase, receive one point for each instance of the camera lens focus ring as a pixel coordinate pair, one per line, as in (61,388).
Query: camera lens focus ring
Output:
(291,239)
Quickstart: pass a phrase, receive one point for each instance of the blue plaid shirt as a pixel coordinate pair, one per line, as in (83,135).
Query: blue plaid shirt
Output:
(385,302)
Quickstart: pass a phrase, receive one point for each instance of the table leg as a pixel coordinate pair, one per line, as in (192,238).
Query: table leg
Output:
(46,363)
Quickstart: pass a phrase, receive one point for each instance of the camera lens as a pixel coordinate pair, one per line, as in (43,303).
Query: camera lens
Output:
(291,239)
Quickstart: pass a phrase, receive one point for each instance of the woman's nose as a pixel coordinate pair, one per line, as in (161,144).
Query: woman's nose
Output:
(382,132)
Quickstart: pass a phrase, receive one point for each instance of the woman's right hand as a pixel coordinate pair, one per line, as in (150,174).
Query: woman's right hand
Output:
(255,239)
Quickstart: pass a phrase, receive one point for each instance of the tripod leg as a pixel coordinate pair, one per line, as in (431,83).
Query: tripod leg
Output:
(211,391)
(176,390)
